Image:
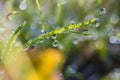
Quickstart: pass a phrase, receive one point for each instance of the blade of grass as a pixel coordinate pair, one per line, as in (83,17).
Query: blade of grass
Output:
(59,13)
(60,31)
(41,14)
(9,44)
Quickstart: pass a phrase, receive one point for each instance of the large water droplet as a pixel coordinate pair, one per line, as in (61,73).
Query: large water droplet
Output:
(41,40)
(112,39)
(96,23)
(114,18)
(42,31)
(54,36)
(75,41)
(102,10)
(23,5)
(55,43)
(73,68)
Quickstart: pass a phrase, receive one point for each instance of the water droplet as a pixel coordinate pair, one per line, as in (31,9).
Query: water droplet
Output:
(112,39)
(42,31)
(41,40)
(102,10)
(55,43)
(54,36)
(114,18)
(96,23)
(73,68)
(23,5)
(75,41)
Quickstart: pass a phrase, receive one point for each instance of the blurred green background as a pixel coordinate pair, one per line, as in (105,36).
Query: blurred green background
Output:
(88,57)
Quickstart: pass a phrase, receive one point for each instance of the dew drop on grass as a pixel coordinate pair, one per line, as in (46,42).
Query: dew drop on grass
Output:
(42,31)
(75,41)
(55,43)
(102,10)
(23,5)
(112,39)
(96,23)
(41,40)
(54,36)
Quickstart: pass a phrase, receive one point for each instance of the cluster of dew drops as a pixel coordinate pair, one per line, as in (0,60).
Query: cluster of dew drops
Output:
(54,37)
(96,24)
(55,42)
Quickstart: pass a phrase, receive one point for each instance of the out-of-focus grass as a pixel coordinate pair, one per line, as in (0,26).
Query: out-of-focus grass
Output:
(36,64)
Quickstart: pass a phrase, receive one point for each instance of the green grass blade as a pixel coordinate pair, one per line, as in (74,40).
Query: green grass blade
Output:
(9,44)
(60,31)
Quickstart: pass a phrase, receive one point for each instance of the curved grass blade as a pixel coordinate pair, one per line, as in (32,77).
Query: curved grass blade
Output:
(9,44)
(60,31)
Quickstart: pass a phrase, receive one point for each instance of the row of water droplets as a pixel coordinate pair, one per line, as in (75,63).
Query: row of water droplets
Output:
(9,44)
(54,37)
(91,34)
(55,43)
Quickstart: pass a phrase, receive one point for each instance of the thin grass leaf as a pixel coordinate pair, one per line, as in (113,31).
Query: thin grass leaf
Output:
(59,12)
(59,31)
(41,14)
(9,44)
